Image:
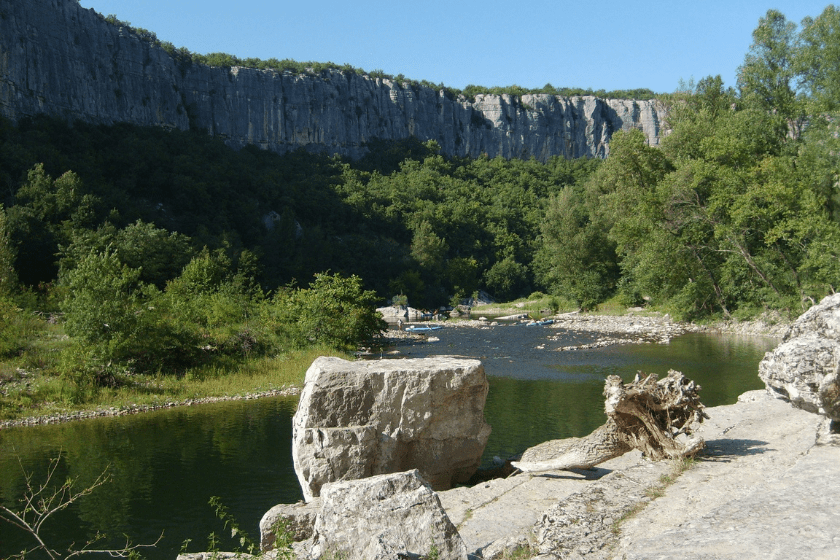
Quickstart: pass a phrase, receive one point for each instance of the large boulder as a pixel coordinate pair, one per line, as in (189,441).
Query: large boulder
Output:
(365,418)
(803,369)
(382,518)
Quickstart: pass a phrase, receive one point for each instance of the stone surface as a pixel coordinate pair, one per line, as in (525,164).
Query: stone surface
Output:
(383,518)
(763,488)
(803,369)
(298,519)
(364,418)
(499,515)
(61,59)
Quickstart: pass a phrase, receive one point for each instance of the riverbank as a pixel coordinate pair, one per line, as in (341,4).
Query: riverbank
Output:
(46,404)
(36,397)
(758,490)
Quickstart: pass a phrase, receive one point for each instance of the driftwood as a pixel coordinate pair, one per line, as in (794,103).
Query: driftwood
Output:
(657,417)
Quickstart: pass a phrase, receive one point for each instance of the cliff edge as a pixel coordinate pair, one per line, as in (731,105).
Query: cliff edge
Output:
(61,59)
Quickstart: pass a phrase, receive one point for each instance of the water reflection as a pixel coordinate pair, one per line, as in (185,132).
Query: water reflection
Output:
(165,466)
(538,393)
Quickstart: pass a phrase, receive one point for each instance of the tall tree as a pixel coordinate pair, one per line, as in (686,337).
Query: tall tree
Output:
(769,70)
(818,60)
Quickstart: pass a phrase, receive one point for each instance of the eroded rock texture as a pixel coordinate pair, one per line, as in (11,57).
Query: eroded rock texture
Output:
(385,517)
(61,59)
(803,369)
(364,418)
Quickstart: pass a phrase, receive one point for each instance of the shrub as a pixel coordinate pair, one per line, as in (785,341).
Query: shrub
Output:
(334,310)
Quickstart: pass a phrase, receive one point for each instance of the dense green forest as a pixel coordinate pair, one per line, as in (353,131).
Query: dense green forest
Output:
(163,250)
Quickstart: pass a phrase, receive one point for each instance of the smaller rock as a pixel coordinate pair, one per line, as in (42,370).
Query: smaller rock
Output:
(296,519)
(385,517)
(805,368)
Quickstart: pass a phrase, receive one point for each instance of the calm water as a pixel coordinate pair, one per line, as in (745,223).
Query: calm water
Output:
(166,465)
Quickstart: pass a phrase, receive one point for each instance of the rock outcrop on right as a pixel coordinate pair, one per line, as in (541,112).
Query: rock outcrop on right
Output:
(803,369)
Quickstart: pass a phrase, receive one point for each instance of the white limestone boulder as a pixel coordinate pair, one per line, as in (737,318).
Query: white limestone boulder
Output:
(803,369)
(365,418)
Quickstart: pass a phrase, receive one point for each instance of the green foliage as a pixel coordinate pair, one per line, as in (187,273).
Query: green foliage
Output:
(10,318)
(768,73)
(507,279)
(8,276)
(334,310)
(576,258)
(245,542)
(104,303)
(818,61)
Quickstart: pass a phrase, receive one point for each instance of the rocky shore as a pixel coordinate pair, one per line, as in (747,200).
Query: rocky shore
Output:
(137,409)
(759,490)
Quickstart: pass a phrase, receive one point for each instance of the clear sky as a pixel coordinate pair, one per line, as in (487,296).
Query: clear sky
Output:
(594,44)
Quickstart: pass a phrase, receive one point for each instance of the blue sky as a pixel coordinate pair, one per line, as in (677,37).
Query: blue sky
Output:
(597,44)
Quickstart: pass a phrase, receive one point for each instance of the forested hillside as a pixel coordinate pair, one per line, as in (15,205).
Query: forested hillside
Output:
(161,251)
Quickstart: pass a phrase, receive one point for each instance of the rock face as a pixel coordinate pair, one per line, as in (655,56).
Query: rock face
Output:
(63,60)
(359,419)
(298,520)
(803,369)
(382,518)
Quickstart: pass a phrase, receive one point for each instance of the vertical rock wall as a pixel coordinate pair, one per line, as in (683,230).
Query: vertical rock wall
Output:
(61,59)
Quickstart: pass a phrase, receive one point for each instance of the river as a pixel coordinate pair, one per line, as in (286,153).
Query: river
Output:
(165,465)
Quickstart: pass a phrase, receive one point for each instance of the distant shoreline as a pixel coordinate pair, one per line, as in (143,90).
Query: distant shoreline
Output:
(618,329)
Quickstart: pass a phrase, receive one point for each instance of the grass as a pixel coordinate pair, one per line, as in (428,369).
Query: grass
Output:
(38,391)
(534,305)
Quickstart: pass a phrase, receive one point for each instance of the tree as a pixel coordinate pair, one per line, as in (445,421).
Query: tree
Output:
(334,310)
(507,279)
(103,303)
(818,60)
(576,259)
(8,277)
(768,75)
(427,248)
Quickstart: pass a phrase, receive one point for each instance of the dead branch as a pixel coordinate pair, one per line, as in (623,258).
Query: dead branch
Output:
(657,417)
(40,502)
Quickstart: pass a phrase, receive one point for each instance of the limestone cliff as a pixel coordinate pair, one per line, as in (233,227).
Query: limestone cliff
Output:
(61,59)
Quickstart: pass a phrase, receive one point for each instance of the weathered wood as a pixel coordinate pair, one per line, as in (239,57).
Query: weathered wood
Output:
(657,417)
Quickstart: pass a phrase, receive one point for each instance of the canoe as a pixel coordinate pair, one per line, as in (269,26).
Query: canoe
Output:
(541,323)
(423,329)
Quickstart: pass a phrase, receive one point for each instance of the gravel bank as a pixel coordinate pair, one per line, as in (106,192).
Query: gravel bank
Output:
(137,409)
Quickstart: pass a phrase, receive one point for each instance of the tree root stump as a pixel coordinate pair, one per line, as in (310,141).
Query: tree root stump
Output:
(657,417)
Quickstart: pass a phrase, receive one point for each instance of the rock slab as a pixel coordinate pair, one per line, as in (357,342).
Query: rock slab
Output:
(365,418)
(803,369)
(383,518)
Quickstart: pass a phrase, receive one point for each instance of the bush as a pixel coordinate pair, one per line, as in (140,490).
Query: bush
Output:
(103,303)
(334,310)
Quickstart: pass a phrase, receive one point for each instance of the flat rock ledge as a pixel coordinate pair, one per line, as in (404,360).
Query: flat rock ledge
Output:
(763,488)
